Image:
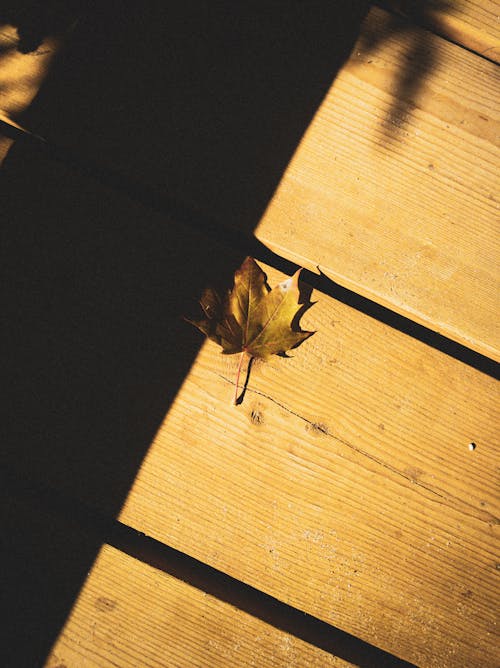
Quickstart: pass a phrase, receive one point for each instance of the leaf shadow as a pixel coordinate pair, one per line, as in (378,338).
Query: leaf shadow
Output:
(305,292)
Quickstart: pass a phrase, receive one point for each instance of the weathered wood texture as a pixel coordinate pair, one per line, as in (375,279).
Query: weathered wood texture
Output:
(129,614)
(393,189)
(343,485)
(473,23)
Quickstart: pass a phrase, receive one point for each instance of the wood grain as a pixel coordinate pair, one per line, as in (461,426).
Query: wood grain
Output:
(393,188)
(343,485)
(474,24)
(129,614)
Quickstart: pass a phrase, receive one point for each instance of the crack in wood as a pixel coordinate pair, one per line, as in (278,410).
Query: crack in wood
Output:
(451,501)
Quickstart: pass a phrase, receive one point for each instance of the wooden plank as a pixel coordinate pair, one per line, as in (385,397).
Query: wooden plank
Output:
(392,191)
(344,485)
(408,107)
(21,74)
(54,544)
(130,614)
(471,23)
(5,144)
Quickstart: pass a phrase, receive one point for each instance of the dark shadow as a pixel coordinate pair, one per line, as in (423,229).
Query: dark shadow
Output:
(186,78)
(305,293)
(69,530)
(45,558)
(285,617)
(246,243)
(204,101)
(418,60)
(419,11)
(94,286)
(188,107)
(7,42)
(37,19)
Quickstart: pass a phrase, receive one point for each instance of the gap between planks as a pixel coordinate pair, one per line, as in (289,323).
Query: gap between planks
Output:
(434,304)
(286,263)
(160,570)
(473,25)
(346,394)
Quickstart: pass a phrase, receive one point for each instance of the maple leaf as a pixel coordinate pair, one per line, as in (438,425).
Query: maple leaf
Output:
(252,319)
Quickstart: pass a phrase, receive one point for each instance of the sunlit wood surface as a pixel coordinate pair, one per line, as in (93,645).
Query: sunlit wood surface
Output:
(392,191)
(129,614)
(474,24)
(358,479)
(347,474)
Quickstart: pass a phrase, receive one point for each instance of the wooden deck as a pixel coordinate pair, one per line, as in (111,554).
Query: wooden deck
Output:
(346,513)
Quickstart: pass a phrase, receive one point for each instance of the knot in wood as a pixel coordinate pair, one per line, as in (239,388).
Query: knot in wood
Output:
(256,417)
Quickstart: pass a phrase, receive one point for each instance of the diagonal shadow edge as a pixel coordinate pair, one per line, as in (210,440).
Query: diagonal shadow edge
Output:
(250,245)
(203,577)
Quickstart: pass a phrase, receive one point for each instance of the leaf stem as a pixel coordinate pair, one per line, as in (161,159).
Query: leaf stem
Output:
(238,378)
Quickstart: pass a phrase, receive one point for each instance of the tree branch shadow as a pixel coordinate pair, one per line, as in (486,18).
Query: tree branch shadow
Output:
(151,115)
(163,121)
